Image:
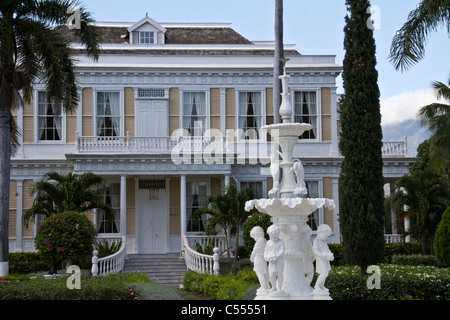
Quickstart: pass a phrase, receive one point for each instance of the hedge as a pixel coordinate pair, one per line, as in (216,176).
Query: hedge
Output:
(110,287)
(344,282)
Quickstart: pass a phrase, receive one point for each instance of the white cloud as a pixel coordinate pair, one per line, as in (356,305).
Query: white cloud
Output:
(405,106)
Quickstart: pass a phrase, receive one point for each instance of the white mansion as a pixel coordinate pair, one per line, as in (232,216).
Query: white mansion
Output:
(153,79)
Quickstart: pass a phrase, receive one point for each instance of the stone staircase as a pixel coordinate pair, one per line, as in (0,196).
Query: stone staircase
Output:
(167,269)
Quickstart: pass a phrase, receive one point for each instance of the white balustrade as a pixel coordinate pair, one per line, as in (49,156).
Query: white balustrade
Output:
(394,148)
(86,144)
(111,264)
(198,262)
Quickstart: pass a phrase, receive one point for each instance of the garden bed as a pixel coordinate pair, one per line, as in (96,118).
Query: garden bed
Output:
(397,282)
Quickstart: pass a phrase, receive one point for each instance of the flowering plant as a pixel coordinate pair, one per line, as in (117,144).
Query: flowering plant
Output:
(65,237)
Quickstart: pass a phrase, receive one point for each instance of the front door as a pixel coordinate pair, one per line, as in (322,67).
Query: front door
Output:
(152,223)
(152,118)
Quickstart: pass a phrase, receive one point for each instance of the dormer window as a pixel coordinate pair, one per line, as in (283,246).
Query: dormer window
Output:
(146,37)
(147,31)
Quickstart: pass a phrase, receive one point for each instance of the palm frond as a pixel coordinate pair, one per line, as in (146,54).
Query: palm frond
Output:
(408,44)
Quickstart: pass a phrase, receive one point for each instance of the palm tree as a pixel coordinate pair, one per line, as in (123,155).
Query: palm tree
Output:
(427,196)
(408,44)
(228,211)
(31,48)
(278,63)
(56,193)
(436,117)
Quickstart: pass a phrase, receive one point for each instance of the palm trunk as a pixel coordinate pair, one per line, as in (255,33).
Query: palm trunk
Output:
(278,64)
(5,162)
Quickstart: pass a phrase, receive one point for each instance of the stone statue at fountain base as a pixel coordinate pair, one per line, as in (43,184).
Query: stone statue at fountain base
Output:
(323,256)
(259,263)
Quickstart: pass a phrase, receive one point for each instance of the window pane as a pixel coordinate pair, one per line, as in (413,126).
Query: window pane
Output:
(108,114)
(195,199)
(313,192)
(257,187)
(49,119)
(305,111)
(111,196)
(250,114)
(194,112)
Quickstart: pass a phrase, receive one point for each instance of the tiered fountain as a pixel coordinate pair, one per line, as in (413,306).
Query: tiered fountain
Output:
(289,208)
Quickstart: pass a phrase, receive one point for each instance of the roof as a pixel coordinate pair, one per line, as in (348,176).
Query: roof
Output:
(181,38)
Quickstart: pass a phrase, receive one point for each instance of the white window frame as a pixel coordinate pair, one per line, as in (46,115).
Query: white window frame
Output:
(262,137)
(263,181)
(36,120)
(117,221)
(121,108)
(319,182)
(208,193)
(151,36)
(319,111)
(206,130)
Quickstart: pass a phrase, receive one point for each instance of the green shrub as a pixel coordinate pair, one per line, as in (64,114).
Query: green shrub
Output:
(111,287)
(92,288)
(65,237)
(221,287)
(397,283)
(442,240)
(27,262)
(414,260)
(400,248)
(255,218)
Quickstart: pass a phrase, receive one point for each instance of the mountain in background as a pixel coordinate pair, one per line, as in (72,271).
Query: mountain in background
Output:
(410,129)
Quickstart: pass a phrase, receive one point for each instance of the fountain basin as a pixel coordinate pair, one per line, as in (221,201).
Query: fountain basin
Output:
(279,207)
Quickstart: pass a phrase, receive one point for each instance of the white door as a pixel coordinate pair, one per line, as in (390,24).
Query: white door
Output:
(152,118)
(152,223)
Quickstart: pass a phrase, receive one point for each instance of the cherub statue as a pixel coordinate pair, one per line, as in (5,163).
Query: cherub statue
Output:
(274,254)
(275,172)
(257,257)
(301,189)
(323,256)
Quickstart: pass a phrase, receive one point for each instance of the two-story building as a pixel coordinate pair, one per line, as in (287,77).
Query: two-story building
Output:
(169,114)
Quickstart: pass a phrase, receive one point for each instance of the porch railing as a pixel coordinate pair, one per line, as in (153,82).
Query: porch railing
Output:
(111,264)
(132,144)
(86,144)
(200,262)
(395,148)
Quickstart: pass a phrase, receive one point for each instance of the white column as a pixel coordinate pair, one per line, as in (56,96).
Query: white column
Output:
(123,205)
(223,112)
(227,181)
(183,206)
(19,211)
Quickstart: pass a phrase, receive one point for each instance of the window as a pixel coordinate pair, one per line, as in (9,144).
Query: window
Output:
(313,192)
(257,187)
(146,37)
(195,199)
(250,114)
(305,111)
(194,112)
(108,114)
(49,119)
(110,195)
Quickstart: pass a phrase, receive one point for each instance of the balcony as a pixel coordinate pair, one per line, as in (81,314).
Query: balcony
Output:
(209,145)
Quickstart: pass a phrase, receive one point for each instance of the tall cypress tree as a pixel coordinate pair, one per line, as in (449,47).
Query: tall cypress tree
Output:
(361,180)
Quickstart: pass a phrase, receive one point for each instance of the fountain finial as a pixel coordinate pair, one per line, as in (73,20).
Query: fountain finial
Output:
(286,107)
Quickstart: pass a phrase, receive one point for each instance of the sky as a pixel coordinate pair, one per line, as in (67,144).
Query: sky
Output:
(316,28)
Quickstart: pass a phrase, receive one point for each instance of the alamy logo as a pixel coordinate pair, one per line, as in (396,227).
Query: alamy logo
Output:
(74,20)
(74,281)
(374,281)
(374,21)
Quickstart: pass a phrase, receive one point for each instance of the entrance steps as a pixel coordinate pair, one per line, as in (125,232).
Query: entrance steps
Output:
(165,269)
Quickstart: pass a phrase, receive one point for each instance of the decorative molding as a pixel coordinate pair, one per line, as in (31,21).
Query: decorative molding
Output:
(201,78)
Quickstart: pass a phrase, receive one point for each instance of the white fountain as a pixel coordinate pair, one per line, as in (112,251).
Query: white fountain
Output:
(289,209)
